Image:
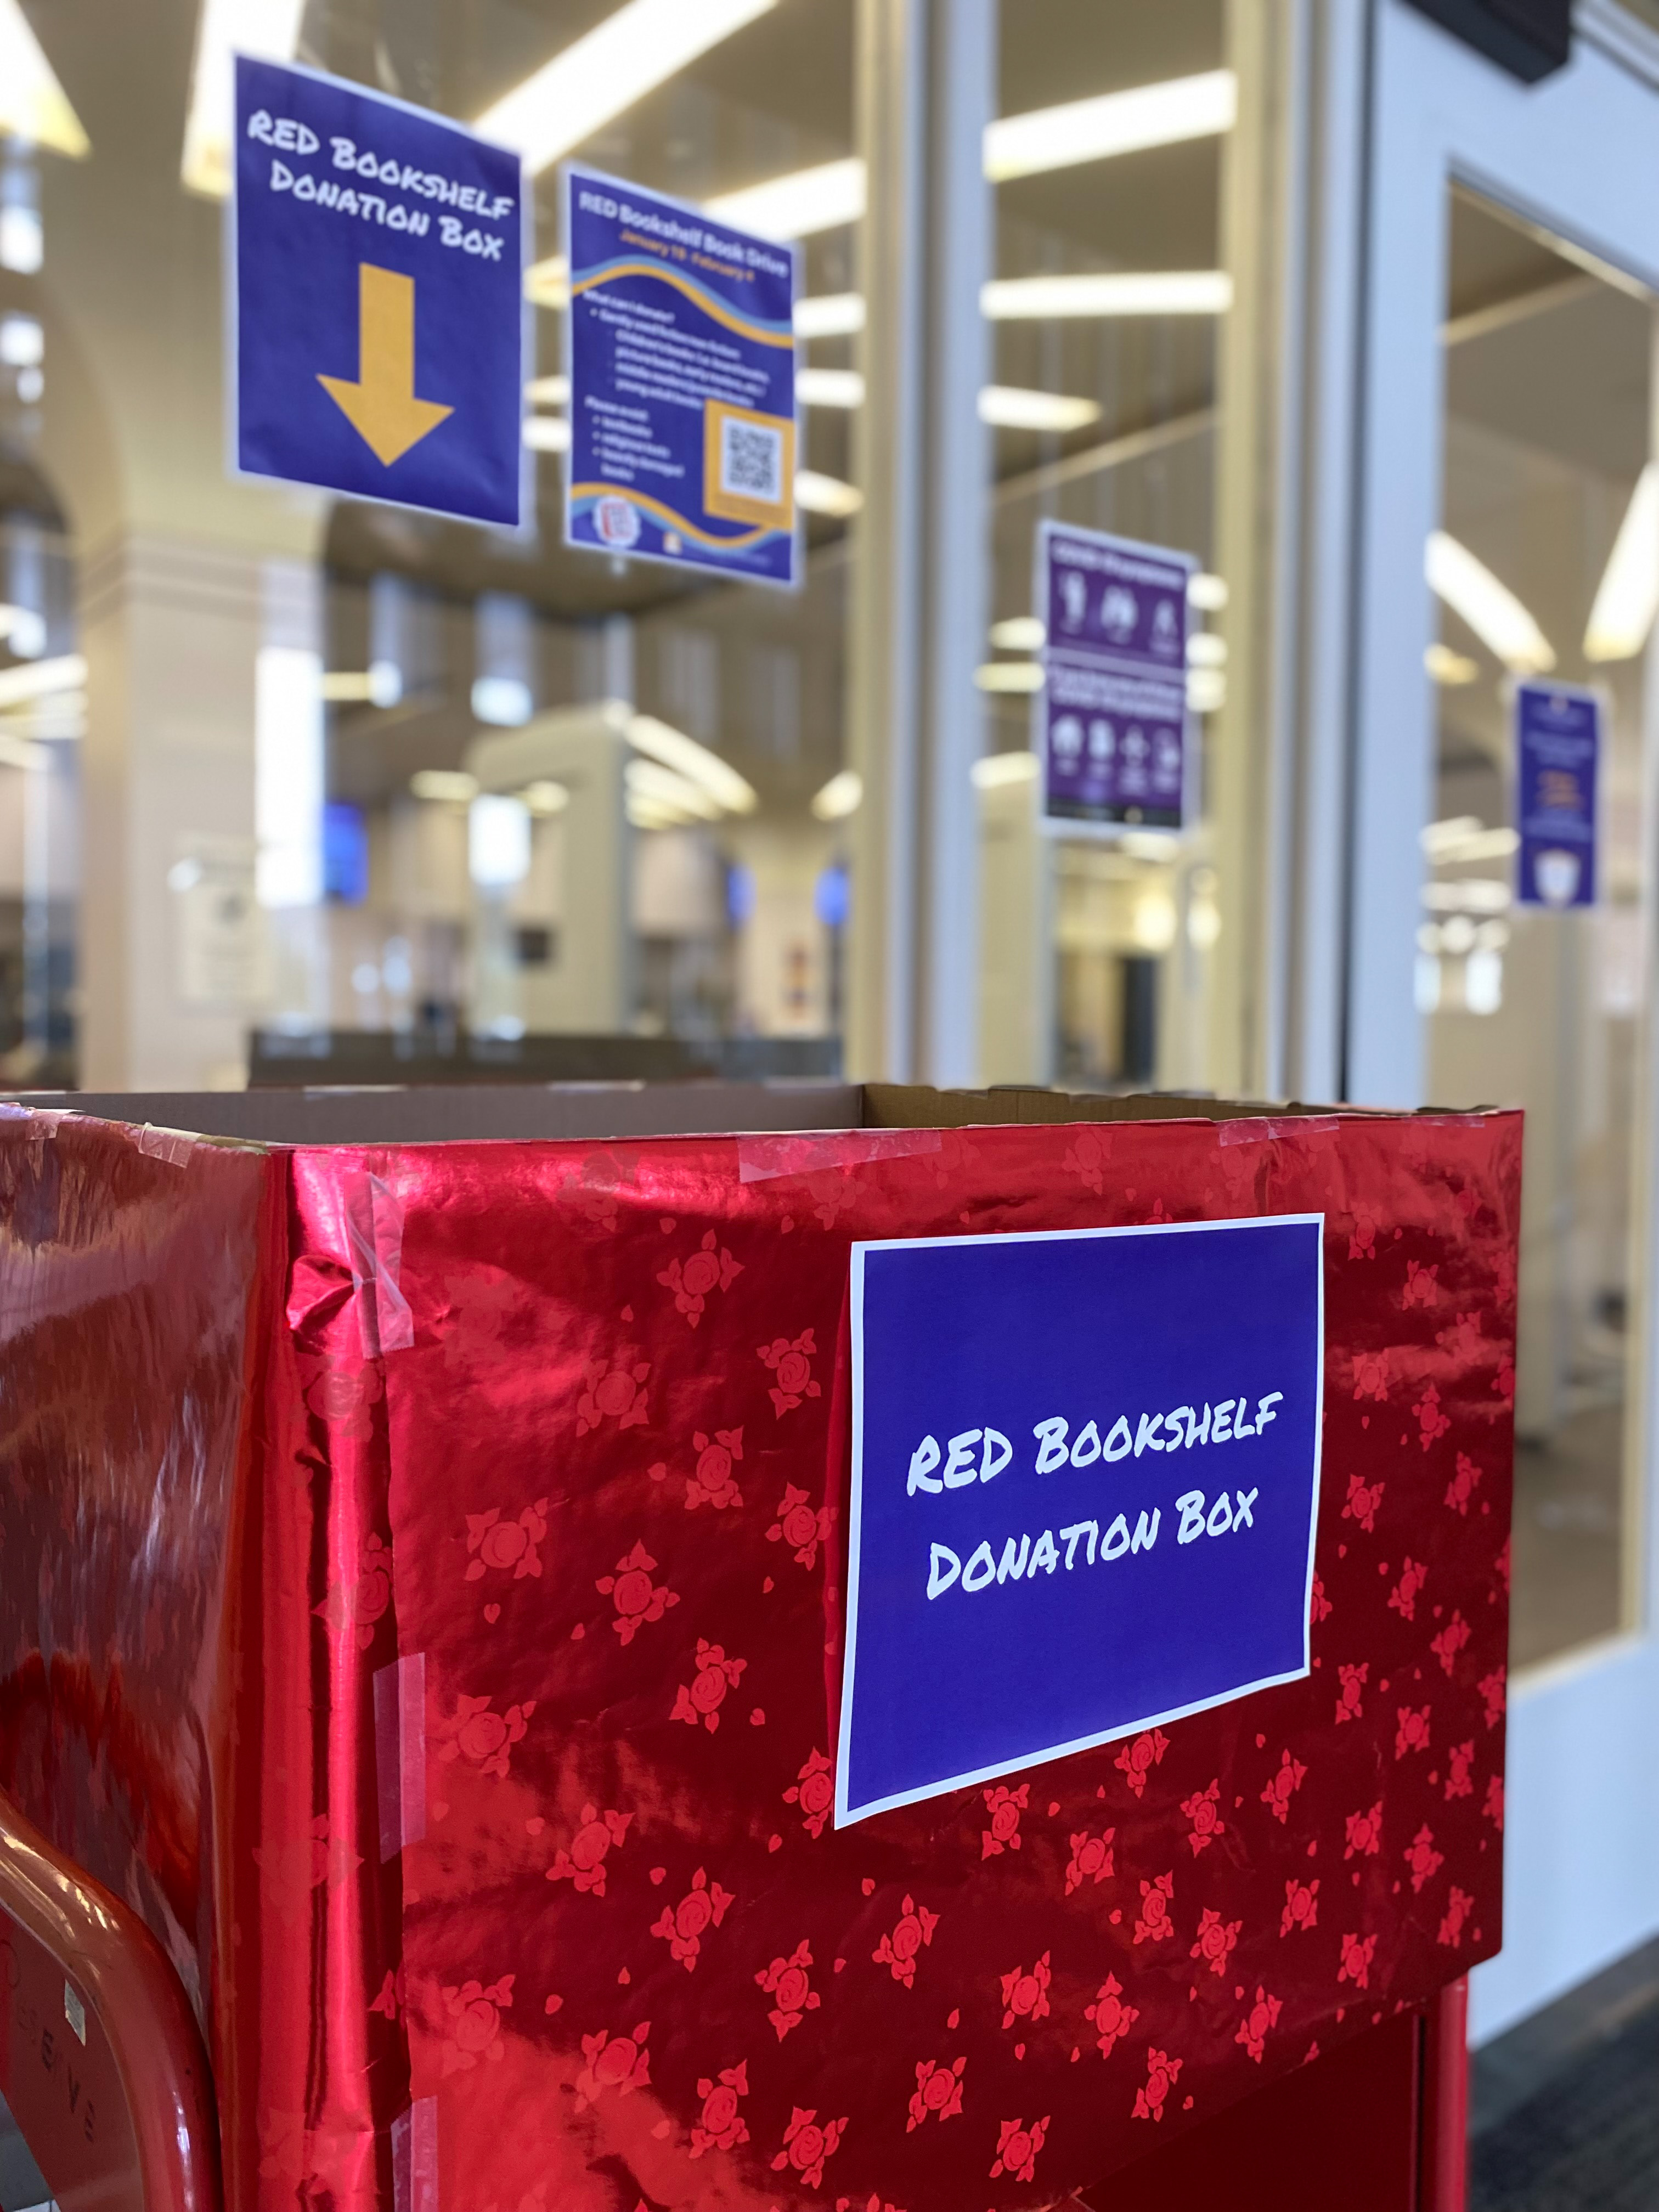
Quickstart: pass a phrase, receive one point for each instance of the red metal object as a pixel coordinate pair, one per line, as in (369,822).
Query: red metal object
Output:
(1445,2186)
(100,2058)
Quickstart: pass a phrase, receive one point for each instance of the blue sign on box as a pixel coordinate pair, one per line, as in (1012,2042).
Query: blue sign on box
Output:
(378,334)
(1110,720)
(682,359)
(1557,755)
(1085,1473)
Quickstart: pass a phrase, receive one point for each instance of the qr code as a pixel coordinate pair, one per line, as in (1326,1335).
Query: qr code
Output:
(752,460)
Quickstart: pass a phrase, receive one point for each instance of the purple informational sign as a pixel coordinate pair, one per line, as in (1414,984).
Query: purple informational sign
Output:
(1109,725)
(1557,748)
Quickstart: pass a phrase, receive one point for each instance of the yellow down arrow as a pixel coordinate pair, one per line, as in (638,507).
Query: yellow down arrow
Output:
(381,406)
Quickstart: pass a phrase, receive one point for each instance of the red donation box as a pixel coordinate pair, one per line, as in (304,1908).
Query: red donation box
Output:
(425,1583)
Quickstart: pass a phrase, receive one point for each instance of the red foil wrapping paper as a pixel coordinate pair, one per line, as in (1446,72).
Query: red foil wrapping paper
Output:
(421,1588)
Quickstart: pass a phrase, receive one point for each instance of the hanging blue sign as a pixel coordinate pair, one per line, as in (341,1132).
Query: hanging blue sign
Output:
(377,327)
(682,361)
(1110,723)
(1085,1473)
(1557,755)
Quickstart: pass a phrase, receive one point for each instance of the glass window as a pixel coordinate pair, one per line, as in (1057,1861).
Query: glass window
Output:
(1108,159)
(1544,569)
(366,781)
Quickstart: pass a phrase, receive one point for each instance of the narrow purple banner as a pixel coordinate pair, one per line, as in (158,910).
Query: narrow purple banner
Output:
(1110,724)
(1558,747)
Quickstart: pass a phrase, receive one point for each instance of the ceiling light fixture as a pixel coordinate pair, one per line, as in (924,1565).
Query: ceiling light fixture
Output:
(831,315)
(38,679)
(1627,598)
(450,787)
(796,204)
(997,770)
(843,795)
(380,684)
(1206,592)
(1491,611)
(1007,408)
(602,74)
(663,788)
(1108,293)
(829,387)
(545,798)
(268,30)
(1446,666)
(821,495)
(1112,123)
(672,749)
(548,391)
(32,104)
(547,284)
(547,433)
(1010,676)
(1020,634)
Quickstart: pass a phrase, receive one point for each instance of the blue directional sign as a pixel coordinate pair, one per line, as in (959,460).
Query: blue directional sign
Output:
(377,341)
(1084,1480)
(682,358)
(1558,756)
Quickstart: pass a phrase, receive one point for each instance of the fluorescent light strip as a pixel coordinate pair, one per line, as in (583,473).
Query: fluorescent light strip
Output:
(38,679)
(1627,598)
(1020,634)
(798,204)
(548,391)
(547,284)
(1119,292)
(843,795)
(994,771)
(662,788)
(32,104)
(829,387)
(803,201)
(831,315)
(604,73)
(268,30)
(1010,409)
(1010,676)
(672,749)
(821,495)
(1113,123)
(1491,611)
(547,433)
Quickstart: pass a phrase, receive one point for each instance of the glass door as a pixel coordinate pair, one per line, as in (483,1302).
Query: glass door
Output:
(1507,536)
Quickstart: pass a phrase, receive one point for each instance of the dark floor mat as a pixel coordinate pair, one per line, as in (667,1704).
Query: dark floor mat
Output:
(1588,2142)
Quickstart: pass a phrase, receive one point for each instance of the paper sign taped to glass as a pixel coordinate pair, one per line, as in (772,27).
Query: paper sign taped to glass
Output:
(1109,726)
(680,346)
(1558,757)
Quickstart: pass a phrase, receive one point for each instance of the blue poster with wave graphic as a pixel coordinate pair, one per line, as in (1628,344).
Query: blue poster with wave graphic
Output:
(682,365)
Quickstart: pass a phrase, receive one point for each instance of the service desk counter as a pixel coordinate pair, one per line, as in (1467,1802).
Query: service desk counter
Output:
(424,1597)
